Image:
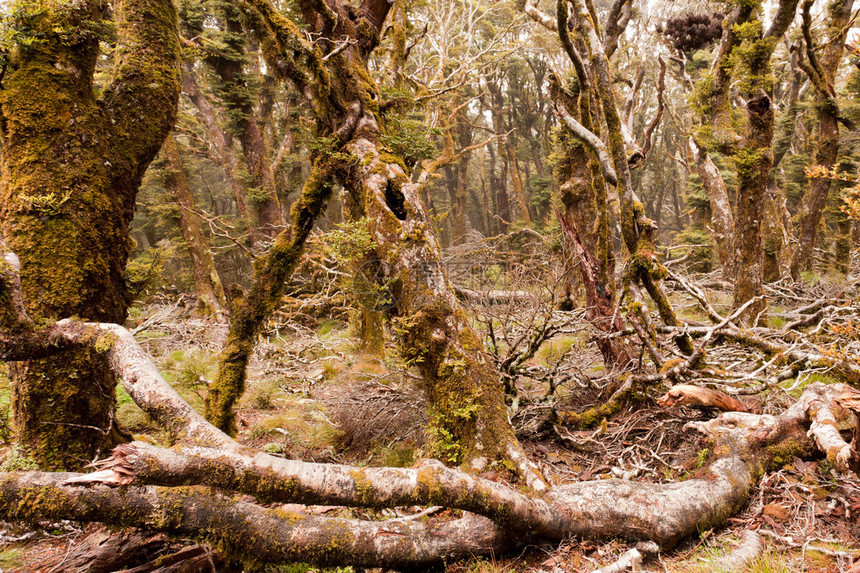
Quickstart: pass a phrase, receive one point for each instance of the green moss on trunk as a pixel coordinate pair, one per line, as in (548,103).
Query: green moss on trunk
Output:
(70,169)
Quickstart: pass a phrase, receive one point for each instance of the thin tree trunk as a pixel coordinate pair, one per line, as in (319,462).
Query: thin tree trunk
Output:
(511,158)
(461,197)
(207,283)
(722,221)
(221,148)
(812,205)
(249,314)
(501,187)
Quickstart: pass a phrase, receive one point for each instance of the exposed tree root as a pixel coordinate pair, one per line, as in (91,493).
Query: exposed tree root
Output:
(751,547)
(631,559)
(682,394)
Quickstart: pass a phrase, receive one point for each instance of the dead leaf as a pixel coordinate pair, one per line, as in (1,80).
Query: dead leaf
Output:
(776,512)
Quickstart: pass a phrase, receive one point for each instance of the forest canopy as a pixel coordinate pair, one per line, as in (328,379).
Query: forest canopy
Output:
(458,285)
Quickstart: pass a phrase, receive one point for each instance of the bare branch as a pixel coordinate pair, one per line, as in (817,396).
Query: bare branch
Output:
(661,86)
(594,144)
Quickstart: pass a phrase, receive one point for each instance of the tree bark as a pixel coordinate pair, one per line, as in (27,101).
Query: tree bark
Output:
(637,230)
(221,148)
(752,153)
(723,222)
(753,163)
(71,164)
(459,201)
(207,283)
(823,76)
(503,209)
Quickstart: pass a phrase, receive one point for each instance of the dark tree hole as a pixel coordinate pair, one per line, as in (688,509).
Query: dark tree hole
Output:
(395,201)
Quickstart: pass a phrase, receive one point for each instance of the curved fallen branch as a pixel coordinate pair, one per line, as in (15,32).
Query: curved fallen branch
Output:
(506,518)
(245,531)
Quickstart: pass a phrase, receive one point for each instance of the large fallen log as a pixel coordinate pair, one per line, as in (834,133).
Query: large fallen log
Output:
(664,513)
(157,489)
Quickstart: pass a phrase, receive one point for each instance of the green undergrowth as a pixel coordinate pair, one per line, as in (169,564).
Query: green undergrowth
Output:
(11,558)
(553,350)
(189,371)
(299,427)
(807,380)
(130,416)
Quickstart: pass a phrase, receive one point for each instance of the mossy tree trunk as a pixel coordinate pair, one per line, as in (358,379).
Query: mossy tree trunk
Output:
(587,226)
(71,164)
(777,232)
(822,74)
(468,419)
(207,283)
(249,313)
(753,162)
(745,53)
(637,230)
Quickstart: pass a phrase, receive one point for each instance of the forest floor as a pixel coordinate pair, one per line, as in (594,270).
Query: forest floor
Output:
(313,395)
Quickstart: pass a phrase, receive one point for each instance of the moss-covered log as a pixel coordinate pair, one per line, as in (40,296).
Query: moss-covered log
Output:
(245,532)
(70,167)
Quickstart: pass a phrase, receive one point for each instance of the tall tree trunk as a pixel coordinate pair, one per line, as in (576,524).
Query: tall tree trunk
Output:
(753,162)
(221,150)
(586,225)
(463,135)
(722,221)
(71,166)
(812,205)
(822,74)
(468,417)
(638,232)
(207,283)
(236,93)
(777,230)
(497,113)
(752,154)
(516,177)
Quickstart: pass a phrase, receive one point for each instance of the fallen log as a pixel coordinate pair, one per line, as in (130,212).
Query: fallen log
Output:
(159,490)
